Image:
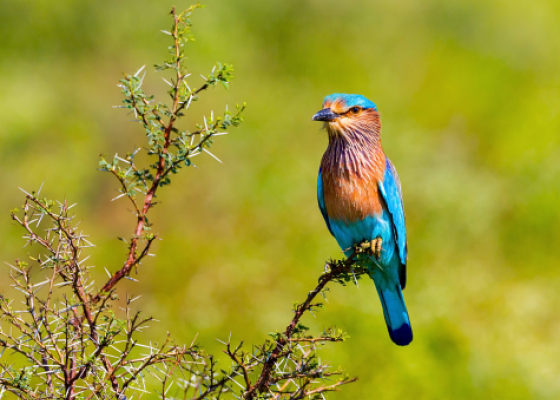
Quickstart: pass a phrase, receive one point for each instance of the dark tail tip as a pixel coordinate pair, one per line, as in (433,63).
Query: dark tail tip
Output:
(401,336)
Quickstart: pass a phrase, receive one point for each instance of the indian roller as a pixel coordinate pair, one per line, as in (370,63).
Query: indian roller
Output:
(360,197)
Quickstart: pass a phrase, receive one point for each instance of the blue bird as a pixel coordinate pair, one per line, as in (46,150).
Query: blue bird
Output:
(360,197)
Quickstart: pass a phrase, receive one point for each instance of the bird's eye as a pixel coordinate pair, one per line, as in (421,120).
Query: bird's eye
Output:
(355,110)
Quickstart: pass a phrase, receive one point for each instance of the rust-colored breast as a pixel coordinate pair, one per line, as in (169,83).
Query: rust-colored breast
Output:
(350,185)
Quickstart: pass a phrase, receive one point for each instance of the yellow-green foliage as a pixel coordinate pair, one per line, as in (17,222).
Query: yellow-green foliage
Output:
(468,93)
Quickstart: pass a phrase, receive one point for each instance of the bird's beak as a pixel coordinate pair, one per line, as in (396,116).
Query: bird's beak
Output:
(325,115)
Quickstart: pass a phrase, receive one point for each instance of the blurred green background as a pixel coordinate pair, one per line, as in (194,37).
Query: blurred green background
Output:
(469,97)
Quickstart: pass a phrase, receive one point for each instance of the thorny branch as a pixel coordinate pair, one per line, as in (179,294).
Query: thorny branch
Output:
(162,136)
(337,271)
(68,338)
(72,356)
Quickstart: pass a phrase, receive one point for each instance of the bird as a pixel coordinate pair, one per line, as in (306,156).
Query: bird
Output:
(360,197)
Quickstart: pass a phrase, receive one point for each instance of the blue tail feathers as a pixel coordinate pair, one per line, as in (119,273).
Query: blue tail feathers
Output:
(396,315)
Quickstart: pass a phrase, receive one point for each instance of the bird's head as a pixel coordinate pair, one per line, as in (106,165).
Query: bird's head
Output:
(345,114)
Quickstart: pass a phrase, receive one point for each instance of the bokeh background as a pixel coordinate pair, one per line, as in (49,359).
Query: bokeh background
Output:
(469,96)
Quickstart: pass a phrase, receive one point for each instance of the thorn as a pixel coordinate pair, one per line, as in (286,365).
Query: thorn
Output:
(118,197)
(142,80)
(186,84)
(122,159)
(40,219)
(195,336)
(24,192)
(213,156)
(355,280)
(140,70)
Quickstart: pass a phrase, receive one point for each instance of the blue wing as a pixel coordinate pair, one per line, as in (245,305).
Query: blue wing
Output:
(391,191)
(321,201)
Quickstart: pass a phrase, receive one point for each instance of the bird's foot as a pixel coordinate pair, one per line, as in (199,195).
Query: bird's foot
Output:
(374,246)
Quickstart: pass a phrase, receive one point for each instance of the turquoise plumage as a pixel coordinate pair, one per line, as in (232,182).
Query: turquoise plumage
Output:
(360,198)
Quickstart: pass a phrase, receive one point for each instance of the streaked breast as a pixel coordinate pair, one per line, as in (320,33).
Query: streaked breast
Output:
(350,179)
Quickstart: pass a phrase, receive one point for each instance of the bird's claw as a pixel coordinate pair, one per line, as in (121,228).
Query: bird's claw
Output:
(376,247)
